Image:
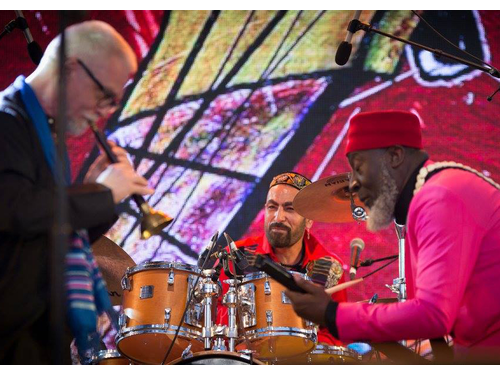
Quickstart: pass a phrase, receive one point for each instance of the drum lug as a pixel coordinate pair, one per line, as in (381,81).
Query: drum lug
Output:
(284,299)
(171,277)
(187,353)
(267,288)
(122,320)
(126,283)
(168,311)
(269,317)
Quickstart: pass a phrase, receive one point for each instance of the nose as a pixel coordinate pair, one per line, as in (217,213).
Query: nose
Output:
(354,184)
(280,215)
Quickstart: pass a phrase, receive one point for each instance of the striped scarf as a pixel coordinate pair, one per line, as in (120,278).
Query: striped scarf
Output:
(87,295)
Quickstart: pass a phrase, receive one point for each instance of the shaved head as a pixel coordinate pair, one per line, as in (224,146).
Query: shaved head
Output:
(94,42)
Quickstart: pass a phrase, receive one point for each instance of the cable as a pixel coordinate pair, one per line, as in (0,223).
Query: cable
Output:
(449,42)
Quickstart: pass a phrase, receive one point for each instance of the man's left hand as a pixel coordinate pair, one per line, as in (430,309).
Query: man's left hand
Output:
(311,305)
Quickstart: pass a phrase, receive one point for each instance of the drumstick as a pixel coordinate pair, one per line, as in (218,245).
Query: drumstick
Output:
(338,288)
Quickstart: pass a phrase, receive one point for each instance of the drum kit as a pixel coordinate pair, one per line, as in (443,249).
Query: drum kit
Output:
(169,310)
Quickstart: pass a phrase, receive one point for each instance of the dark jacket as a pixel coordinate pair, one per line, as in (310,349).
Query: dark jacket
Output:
(27,201)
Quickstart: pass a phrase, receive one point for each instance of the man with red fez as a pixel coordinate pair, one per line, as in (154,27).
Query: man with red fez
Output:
(452,217)
(288,241)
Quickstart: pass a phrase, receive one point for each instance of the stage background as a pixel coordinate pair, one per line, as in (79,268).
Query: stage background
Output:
(223,101)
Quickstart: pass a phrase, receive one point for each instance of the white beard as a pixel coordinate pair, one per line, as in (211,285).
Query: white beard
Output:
(382,212)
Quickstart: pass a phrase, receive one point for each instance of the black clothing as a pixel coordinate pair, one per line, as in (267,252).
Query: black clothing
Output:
(27,198)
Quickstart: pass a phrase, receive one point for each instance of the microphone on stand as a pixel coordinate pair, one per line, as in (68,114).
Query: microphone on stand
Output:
(357,246)
(207,253)
(345,48)
(239,259)
(34,50)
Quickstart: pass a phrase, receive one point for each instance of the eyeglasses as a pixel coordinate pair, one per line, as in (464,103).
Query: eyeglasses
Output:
(109,99)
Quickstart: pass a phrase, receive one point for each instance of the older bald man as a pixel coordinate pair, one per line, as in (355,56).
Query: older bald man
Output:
(99,62)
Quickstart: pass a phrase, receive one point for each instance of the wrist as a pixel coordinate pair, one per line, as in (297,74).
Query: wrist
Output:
(330,318)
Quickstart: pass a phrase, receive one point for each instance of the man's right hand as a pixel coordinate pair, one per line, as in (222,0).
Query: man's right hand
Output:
(123,181)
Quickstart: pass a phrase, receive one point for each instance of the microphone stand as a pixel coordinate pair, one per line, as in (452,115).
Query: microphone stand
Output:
(356,25)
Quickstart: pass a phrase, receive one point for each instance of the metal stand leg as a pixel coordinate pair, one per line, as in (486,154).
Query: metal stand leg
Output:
(400,283)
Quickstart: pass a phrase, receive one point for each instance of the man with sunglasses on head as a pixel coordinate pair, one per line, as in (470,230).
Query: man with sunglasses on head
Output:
(99,62)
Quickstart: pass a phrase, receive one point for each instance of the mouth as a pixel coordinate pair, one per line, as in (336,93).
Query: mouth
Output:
(279,229)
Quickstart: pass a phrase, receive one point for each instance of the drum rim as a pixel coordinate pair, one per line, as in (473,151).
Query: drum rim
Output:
(157,328)
(138,330)
(107,354)
(261,275)
(159,265)
(271,331)
(338,350)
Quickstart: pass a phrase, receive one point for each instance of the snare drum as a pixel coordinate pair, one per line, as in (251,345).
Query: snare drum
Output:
(271,327)
(154,298)
(110,357)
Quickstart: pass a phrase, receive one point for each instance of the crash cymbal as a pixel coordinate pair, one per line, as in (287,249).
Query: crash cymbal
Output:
(327,200)
(113,261)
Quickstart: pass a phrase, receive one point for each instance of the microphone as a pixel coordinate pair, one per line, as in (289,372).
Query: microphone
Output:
(34,50)
(207,253)
(239,259)
(357,246)
(345,48)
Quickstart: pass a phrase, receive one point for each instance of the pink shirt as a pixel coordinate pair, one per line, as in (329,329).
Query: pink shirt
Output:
(452,269)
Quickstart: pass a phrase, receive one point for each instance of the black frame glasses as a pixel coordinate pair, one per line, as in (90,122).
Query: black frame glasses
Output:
(109,99)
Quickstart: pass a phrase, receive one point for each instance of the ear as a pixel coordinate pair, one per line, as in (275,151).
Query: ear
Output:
(396,156)
(309,224)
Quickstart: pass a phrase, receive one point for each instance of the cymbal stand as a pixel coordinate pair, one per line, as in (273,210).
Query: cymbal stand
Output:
(399,284)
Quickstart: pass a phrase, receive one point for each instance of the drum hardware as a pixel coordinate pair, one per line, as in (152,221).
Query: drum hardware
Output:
(285,299)
(358,212)
(171,278)
(269,317)
(109,357)
(168,311)
(122,320)
(125,283)
(207,289)
(220,333)
(230,300)
(400,282)
(211,246)
(153,221)
(187,353)
(267,288)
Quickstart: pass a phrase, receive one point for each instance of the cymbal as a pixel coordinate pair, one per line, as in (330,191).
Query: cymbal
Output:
(113,261)
(327,200)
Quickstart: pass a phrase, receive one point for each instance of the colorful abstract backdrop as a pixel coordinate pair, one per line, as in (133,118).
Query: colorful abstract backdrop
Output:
(225,100)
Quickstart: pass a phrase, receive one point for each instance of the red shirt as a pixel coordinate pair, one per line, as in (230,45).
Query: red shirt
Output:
(313,251)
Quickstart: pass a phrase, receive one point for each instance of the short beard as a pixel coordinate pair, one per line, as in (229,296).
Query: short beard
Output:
(284,240)
(381,213)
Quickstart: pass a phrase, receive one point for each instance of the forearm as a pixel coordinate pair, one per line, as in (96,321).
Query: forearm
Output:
(412,319)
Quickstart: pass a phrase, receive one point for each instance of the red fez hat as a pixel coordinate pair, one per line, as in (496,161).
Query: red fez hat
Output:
(371,130)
